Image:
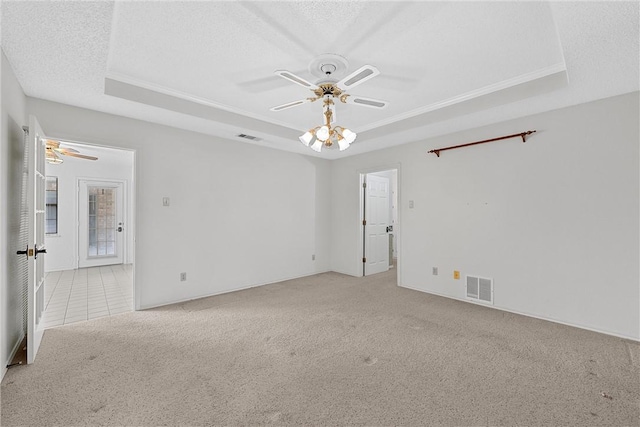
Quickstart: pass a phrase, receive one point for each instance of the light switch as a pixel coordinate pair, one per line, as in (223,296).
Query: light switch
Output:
(456,274)
(165,201)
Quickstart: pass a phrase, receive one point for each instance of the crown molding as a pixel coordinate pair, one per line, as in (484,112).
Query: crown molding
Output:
(123,78)
(496,87)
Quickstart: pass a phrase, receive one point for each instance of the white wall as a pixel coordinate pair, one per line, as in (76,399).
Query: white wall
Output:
(11,158)
(62,249)
(554,221)
(240,215)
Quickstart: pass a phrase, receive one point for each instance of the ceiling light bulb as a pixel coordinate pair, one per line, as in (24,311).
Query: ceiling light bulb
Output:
(342,143)
(349,136)
(306,138)
(323,133)
(317,146)
(54,160)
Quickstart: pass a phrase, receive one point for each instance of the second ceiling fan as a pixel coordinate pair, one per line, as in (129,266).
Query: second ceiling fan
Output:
(54,150)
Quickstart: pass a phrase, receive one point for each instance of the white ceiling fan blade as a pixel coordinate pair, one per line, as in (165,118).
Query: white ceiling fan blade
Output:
(365,102)
(359,76)
(295,79)
(69,150)
(290,104)
(80,156)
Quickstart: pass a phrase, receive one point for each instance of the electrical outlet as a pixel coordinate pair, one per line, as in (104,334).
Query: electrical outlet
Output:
(313,257)
(166,201)
(435,271)
(183,277)
(456,274)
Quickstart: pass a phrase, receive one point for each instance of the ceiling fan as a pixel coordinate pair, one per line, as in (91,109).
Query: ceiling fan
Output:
(53,149)
(328,88)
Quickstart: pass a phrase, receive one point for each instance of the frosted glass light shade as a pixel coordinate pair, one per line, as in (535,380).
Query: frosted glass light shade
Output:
(343,144)
(349,136)
(317,146)
(306,138)
(323,133)
(54,160)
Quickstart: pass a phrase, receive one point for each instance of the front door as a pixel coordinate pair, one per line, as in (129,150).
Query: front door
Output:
(36,150)
(376,244)
(101,226)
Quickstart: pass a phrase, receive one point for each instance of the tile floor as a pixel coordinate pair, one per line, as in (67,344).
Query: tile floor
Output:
(87,293)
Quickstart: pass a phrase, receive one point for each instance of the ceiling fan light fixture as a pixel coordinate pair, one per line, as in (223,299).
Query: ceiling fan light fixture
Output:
(51,157)
(326,135)
(307,138)
(54,160)
(349,136)
(323,133)
(316,146)
(342,143)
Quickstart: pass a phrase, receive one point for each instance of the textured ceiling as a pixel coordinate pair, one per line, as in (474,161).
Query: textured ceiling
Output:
(208,66)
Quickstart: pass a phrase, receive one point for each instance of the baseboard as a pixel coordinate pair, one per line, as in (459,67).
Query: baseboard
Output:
(348,273)
(587,328)
(16,346)
(230,290)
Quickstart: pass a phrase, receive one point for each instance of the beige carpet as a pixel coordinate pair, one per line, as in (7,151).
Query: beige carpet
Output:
(325,350)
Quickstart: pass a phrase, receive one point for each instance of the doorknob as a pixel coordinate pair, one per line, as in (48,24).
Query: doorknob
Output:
(25,252)
(120,229)
(39,251)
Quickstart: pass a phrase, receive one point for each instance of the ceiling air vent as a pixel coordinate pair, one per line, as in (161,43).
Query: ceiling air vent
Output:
(249,137)
(480,289)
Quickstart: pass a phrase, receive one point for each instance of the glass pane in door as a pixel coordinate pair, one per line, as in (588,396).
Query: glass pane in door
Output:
(102,221)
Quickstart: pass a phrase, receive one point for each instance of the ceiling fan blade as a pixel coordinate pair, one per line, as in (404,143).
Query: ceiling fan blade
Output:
(365,102)
(52,143)
(65,150)
(80,156)
(265,84)
(295,79)
(290,104)
(51,157)
(359,76)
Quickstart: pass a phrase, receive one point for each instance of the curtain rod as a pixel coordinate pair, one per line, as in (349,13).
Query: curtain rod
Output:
(521,134)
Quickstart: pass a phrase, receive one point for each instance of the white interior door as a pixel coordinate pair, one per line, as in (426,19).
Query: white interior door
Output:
(376,242)
(101,227)
(36,208)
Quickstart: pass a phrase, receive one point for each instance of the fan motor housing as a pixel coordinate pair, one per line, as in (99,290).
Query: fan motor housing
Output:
(327,88)
(328,67)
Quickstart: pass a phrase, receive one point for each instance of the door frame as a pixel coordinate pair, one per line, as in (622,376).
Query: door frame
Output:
(125,209)
(397,231)
(132,208)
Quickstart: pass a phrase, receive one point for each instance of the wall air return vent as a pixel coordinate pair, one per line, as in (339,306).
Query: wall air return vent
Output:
(249,137)
(480,289)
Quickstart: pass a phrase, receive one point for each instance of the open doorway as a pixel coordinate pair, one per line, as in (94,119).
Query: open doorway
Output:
(380,222)
(89,234)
